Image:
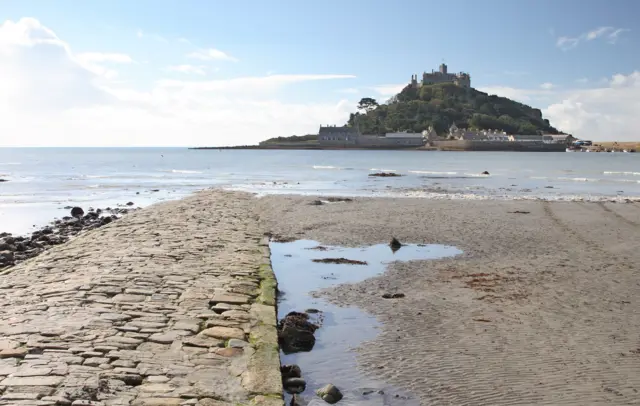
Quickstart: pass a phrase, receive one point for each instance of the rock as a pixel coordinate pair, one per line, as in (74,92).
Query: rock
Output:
(329,394)
(316,203)
(393,295)
(13,353)
(295,333)
(224,333)
(7,247)
(77,212)
(290,371)
(168,337)
(395,244)
(233,343)
(294,385)
(4,180)
(6,256)
(33,381)
(297,400)
(339,261)
(130,203)
(485,173)
(385,174)
(228,352)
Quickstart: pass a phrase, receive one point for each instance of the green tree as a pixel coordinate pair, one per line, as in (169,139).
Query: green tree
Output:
(440,105)
(367,104)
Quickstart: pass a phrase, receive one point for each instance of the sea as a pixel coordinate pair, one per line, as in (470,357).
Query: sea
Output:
(43,183)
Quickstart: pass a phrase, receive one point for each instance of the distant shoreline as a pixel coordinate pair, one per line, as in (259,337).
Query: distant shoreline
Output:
(317,147)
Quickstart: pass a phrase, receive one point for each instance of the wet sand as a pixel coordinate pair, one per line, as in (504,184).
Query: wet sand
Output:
(542,307)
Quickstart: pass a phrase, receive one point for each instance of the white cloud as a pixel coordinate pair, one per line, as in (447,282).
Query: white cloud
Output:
(50,97)
(349,90)
(389,90)
(611,34)
(605,113)
(547,86)
(93,61)
(104,57)
(211,54)
(188,69)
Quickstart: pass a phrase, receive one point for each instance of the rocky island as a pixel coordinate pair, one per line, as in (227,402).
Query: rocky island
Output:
(442,112)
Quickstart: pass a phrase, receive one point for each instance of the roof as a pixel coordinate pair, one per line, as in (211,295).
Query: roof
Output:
(335,130)
(470,136)
(527,137)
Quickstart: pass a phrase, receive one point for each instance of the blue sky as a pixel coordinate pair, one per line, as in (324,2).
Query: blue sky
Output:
(556,55)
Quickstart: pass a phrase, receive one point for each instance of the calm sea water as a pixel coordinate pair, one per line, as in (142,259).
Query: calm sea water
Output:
(42,181)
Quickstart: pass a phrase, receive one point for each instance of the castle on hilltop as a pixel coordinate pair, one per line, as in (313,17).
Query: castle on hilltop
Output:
(461,79)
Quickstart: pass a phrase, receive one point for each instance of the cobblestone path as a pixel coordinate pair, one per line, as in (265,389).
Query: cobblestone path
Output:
(172,305)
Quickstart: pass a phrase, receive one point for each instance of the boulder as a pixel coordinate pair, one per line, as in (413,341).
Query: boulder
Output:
(330,394)
(385,174)
(295,333)
(77,212)
(294,385)
(290,371)
(395,244)
(6,256)
(485,173)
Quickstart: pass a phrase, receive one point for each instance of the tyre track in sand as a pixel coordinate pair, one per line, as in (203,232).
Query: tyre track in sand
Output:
(618,215)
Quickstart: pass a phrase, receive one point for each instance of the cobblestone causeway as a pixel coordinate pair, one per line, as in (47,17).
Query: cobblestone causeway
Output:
(171,305)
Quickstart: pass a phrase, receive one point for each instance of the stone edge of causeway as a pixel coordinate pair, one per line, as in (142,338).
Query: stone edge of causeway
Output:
(262,377)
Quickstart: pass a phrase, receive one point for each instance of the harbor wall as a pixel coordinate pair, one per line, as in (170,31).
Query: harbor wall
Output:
(498,146)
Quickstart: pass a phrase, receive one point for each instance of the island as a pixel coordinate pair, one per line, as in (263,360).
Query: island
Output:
(440,112)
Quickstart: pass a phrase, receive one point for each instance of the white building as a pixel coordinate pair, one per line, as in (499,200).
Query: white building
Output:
(525,138)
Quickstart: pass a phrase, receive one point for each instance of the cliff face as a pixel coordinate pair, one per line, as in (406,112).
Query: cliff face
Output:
(441,105)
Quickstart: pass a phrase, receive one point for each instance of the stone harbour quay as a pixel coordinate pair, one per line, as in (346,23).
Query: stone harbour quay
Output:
(171,305)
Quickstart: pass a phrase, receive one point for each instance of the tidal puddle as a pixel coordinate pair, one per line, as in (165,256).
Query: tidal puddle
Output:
(333,359)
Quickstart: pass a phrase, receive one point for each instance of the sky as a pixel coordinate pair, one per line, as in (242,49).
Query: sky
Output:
(217,73)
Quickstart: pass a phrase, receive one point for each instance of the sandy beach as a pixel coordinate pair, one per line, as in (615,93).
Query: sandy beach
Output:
(540,309)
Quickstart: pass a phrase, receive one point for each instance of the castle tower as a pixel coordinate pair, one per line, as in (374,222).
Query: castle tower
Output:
(414,81)
(443,69)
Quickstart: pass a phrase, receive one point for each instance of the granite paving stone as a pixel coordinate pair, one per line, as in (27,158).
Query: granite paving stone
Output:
(138,312)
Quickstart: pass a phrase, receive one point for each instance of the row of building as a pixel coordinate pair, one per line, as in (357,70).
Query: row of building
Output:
(501,136)
(333,136)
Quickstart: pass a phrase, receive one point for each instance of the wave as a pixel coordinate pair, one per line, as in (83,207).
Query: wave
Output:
(580,179)
(185,171)
(10,163)
(476,175)
(383,170)
(434,173)
(325,167)
(621,173)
